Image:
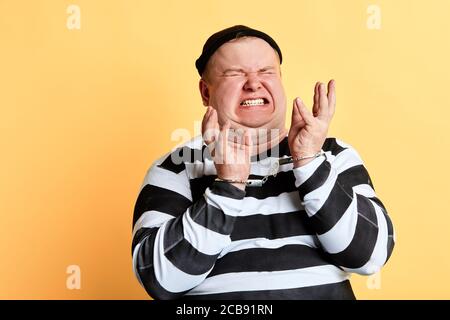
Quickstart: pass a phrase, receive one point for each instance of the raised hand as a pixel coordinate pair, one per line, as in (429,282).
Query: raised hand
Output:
(230,149)
(309,130)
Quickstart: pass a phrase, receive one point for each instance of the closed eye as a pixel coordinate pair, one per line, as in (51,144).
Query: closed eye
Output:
(233,73)
(269,70)
(242,73)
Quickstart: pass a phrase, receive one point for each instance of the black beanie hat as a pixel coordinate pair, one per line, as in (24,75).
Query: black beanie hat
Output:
(219,38)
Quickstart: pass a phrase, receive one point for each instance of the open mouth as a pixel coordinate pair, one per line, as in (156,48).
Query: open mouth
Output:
(254,102)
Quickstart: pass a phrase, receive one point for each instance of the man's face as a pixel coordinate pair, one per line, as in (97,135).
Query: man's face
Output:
(243,83)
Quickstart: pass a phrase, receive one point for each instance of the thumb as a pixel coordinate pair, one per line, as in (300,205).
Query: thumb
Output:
(297,119)
(306,115)
(296,116)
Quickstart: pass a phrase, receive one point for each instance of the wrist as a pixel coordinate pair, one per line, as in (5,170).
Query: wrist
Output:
(238,183)
(304,158)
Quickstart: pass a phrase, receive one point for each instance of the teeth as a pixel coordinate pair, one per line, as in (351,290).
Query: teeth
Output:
(252,102)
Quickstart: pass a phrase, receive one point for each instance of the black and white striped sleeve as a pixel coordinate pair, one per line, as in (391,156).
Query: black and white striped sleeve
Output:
(351,223)
(176,241)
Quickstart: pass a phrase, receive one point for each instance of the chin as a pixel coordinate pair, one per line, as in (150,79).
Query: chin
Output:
(256,117)
(255,124)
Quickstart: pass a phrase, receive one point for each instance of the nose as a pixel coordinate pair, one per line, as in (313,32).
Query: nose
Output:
(252,83)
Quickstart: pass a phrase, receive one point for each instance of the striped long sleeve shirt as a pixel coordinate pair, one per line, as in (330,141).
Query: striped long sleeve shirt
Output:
(299,236)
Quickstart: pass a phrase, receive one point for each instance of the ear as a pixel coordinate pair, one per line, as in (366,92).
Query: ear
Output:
(204,92)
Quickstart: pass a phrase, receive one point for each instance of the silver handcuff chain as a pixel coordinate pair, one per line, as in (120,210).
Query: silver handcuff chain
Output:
(274,170)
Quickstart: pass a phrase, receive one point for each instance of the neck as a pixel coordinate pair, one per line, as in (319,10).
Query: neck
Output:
(264,140)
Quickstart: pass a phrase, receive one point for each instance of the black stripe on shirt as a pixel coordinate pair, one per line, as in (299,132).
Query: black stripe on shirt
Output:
(140,235)
(263,259)
(278,151)
(339,198)
(390,247)
(378,202)
(361,247)
(383,209)
(175,161)
(316,180)
(146,271)
(211,218)
(168,163)
(274,226)
(181,253)
(331,145)
(390,227)
(159,199)
(199,186)
(226,189)
(332,291)
(273,187)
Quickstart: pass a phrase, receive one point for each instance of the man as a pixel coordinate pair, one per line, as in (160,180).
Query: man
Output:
(245,215)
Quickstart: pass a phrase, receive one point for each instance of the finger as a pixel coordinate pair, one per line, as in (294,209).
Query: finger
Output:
(296,116)
(332,96)
(225,132)
(211,133)
(323,102)
(248,143)
(237,136)
(297,121)
(244,141)
(241,150)
(221,144)
(210,126)
(252,140)
(316,100)
(248,139)
(226,129)
(225,138)
(304,112)
(205,118)
(295,126)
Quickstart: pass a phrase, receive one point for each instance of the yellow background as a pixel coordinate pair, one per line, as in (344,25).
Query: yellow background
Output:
(85,112)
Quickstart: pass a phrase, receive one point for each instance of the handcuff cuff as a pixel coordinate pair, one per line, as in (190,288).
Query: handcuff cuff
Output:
(273,172)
